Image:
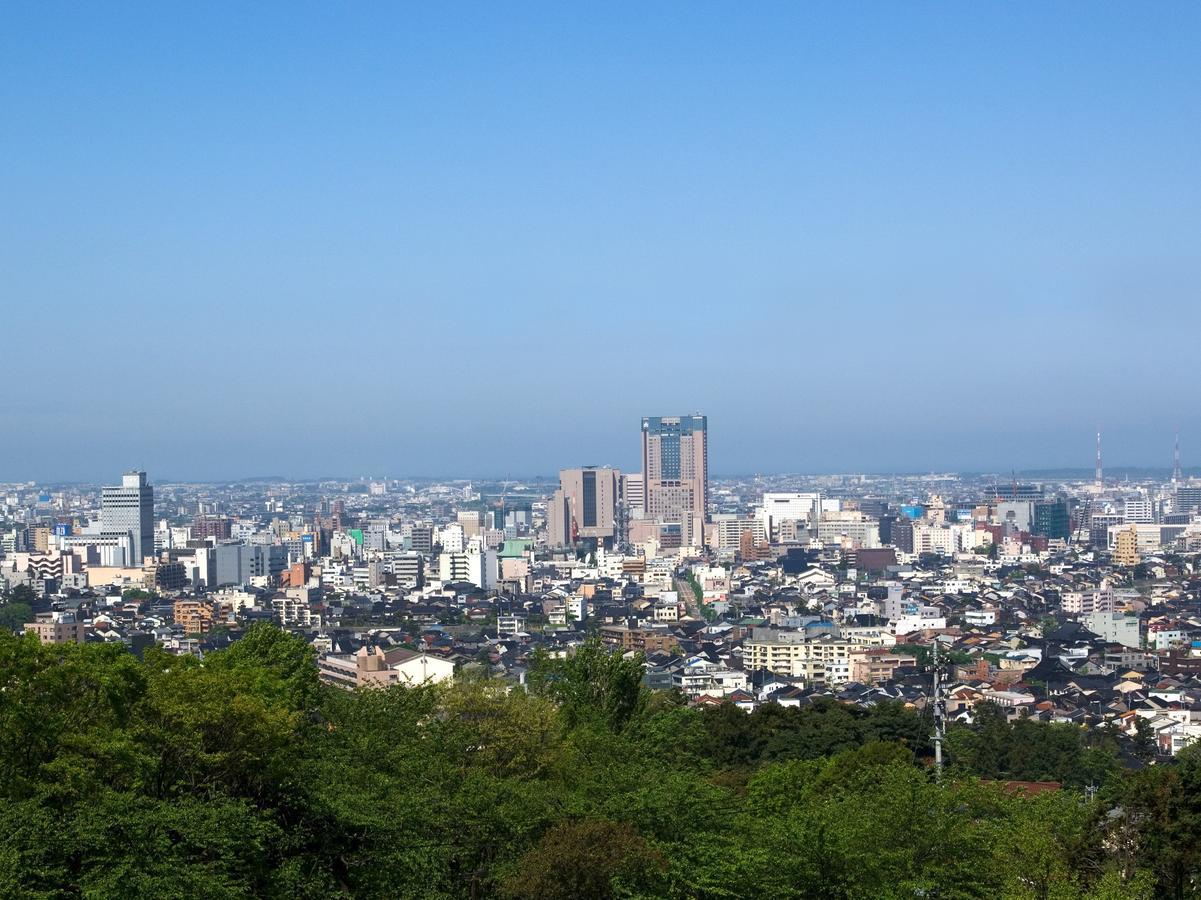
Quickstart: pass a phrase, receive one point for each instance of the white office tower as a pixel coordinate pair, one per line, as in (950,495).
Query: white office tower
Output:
(482,564)
(129,509)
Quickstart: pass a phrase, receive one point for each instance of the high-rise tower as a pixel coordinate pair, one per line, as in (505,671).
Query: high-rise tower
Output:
(1100,477)
(675,471)
(130,509)
(1176,479)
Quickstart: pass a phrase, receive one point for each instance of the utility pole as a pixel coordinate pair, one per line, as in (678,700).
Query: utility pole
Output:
(939,705)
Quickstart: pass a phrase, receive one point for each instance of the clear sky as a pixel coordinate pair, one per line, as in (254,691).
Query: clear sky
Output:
(441,239)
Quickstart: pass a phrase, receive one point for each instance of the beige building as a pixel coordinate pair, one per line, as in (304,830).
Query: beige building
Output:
(57,628)
(816,660)
(1087,602)
(383,668)
(1125,549)
(729,529)
(194,616)
(584,507)
(120,576)
(675,471)
(633,490)
(873,665)
(472,521)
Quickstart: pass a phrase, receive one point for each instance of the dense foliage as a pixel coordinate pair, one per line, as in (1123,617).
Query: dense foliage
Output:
(242,776)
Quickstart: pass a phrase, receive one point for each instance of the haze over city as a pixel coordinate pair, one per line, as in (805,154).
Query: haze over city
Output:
(463,239)
(557,451)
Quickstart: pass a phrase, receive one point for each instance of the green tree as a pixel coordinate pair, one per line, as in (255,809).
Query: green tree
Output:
(591,684)
(14,614)
(1143,740)
(589,858)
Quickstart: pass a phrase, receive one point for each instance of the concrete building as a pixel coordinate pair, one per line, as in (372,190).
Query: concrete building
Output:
(129,509)
(382,668)
(1089,601)
(794,654)
(194,616)
(699,677)
(1019,514)
(584,507)
(675,471)
(853,528)
(1138,511)
(873,665)
(647,640)
(236,563)
(472,521)
(633,490)
(803,507)
(453,566)
(1188,499)
(408,568)
(945,540)
(57,628)
(292,609)
(731,527)
(1115,628)
(421,537)
(1125,547)
(483,566)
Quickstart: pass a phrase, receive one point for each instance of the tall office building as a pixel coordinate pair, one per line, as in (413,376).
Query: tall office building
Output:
(675,471)
(129,509)
(1052,519)
(1188,499)
(584,506)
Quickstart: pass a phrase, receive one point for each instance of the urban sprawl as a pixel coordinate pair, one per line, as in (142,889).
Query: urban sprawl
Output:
(1065,600)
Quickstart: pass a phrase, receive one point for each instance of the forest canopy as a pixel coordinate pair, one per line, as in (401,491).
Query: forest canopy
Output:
(243,775)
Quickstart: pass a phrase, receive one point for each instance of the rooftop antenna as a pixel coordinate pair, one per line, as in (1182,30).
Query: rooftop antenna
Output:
(1100,477)
(1176,479)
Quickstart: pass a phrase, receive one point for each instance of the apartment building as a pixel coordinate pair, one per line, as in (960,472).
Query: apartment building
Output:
(818,660)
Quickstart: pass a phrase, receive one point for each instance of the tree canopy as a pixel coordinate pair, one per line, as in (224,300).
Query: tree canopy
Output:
(241,775)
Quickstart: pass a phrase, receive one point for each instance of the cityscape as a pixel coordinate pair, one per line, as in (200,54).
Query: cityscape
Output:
(675,451)
(1066,600)
(967,601)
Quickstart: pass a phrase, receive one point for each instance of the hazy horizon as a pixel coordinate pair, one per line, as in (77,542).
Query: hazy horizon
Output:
(1045,473)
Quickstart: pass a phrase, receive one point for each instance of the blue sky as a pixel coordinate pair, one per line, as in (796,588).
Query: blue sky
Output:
(487,238)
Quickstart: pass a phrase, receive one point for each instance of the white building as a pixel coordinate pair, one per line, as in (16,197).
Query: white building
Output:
(698,676)
(1088,601)
(946,540)
(293,611)
(853,528)
(1113,628)
(129,509)
(483,568)
(795,506)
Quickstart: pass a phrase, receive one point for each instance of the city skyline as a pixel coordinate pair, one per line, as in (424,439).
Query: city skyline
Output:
(673,450)
(625,461)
